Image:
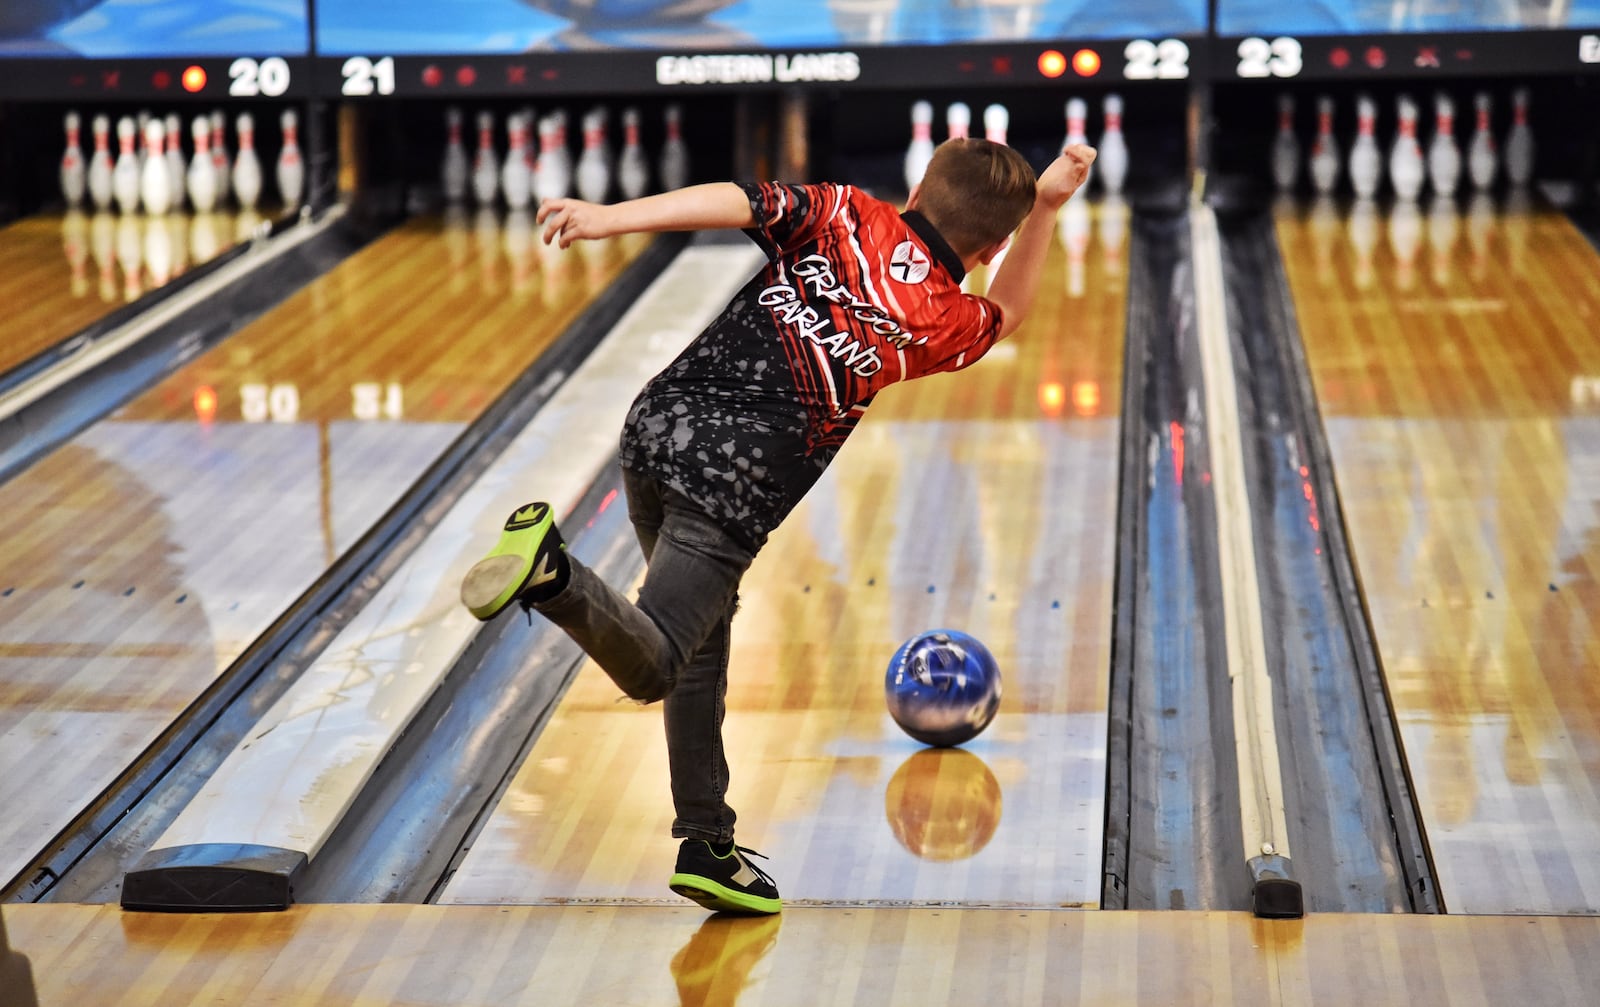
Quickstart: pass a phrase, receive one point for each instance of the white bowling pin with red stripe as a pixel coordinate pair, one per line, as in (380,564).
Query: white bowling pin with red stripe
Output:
(1285,147)
(633,168)
(921,150)
(291,167)
(247,176)
(74,174)
(100,165)
(1324,163)
(1366,163)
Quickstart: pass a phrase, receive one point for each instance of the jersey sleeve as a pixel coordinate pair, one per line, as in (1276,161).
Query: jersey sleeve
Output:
(973,326)
(791,215)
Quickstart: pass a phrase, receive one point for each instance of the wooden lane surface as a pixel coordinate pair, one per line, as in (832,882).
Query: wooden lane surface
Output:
(982,501)
(434,956)
(144,556)
(60,273)
(1467,454)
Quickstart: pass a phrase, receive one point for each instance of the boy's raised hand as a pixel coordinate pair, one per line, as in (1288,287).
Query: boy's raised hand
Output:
(1065,174)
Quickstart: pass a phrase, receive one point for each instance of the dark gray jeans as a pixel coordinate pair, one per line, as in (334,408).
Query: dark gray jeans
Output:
(672,643)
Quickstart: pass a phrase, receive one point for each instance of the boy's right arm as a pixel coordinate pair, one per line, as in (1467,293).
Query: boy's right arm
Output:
(695,208)
(1017,280)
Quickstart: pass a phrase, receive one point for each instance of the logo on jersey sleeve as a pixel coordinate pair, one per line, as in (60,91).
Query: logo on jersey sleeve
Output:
(908,264)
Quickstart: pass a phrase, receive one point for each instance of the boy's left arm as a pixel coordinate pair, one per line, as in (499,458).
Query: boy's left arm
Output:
(695,208)
(1017,280)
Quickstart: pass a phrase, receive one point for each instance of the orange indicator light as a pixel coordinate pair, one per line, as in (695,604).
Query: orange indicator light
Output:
(1086,62)
(1086,397)
(194,79)
(205,403)
(1052,64)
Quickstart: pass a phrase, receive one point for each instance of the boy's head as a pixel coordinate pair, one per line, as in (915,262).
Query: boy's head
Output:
(976,193)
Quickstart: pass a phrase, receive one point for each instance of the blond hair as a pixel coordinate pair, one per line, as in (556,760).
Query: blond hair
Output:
(976,193)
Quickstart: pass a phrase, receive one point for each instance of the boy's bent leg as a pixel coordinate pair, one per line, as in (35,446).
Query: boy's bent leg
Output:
(692,578)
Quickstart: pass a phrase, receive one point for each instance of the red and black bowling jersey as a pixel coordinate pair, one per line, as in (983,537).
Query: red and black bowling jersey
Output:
(855,297)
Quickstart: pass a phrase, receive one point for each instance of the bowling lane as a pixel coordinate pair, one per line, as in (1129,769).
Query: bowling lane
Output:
(1459,379)
(60,273)
(146,554)
(982,501)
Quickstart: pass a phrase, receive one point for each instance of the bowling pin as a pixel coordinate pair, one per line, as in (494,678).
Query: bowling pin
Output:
(485,169)
(1444,157)
(996,120)
(125,176)
(100,165)
(1324,163)
(674,153)
(1285,148)
(633,169)
(1405,157)
(246,166)
(291,167)
(74,176)
(1481,160)
(222,164)
(552,178)
(453,172)
(1365,161)
(1519,141)
(202,174)
(957,121)
(593,176)
(176,170)
(921,150)
(1111,161)
(1076,111)
(153,186)
(515,180)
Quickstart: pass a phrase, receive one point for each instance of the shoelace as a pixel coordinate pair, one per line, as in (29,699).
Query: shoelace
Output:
(763,875)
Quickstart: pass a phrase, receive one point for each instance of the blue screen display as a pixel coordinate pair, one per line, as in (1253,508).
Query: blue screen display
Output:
(1372,17)
(402,27)
(107,29)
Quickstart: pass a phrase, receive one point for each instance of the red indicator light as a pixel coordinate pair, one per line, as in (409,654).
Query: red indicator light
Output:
(205,403)
(161,80)
(194,79)
(1052,64)
(1086,62)
(1339,57)
(1376,57)
(432,76)
(466,76)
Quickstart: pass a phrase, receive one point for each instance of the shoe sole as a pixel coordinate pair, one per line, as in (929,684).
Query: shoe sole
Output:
(721,899)
(495,581)
(491,584)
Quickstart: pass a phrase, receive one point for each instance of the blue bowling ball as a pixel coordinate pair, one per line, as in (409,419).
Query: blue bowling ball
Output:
(942,687)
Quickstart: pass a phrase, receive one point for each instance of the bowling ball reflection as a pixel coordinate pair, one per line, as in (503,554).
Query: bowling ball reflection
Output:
(943,804)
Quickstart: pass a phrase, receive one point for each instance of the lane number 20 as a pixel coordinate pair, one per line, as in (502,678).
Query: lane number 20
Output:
(253,78)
